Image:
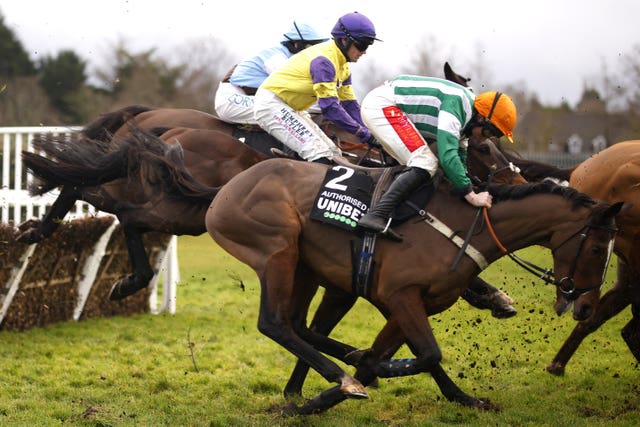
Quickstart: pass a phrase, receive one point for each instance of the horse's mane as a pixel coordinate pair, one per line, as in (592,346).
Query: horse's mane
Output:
(103,128)
(520,191)
(166,166)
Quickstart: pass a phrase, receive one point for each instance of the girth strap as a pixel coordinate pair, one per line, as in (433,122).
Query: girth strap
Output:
(363,263)
(472,252)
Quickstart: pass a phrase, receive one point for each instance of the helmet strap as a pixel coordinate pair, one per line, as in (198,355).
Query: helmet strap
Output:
(343,48)
(299,34)
(473,122)
(493,106)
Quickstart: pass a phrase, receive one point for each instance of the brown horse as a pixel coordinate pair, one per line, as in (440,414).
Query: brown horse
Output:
(103,174)
(118,123)
(262,217)
(612,175)
(209,156)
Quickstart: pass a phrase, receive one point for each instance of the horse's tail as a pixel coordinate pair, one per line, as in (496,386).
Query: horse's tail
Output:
(103,128)
(89,163)
(81,163)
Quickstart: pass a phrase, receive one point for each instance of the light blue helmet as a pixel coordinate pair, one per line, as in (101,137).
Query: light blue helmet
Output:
(303,32)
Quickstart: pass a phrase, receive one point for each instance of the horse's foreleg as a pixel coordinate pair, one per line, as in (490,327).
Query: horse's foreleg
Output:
(610,304)
(142,272)
(481,294)
(631,331)
(34,231)
(332,308)
(278,313)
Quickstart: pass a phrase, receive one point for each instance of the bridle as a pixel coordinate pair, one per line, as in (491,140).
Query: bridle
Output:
(494,170)
(566,285)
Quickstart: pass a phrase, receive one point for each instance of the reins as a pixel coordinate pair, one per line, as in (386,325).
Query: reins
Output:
(541,273)
(566,284)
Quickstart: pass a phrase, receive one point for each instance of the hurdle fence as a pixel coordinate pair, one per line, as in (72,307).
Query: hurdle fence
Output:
(17,206)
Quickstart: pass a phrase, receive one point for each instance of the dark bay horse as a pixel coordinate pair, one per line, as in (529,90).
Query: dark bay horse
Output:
(106,175)
(209,156)
(261,217)
(103,174)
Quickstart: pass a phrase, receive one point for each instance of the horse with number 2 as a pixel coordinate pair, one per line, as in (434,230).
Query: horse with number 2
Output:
(263,217)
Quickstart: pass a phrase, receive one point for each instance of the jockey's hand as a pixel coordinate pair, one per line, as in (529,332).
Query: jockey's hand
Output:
(373,142)
(479,200)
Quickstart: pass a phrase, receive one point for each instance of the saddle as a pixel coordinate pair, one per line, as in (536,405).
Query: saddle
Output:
(344,197)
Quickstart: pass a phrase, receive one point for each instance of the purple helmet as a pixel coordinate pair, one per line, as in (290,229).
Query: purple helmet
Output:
(354,26)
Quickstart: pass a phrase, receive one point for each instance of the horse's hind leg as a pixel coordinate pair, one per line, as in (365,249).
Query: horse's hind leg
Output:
(142,271)
(610,304)
(334,305)
(34,231)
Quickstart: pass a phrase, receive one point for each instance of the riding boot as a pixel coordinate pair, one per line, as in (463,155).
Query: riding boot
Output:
(377,219)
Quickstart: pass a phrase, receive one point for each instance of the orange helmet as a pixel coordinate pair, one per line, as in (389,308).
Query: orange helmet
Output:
(499,109)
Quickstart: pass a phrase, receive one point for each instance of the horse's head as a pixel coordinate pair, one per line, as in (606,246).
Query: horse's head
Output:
(487,163)
(581,257)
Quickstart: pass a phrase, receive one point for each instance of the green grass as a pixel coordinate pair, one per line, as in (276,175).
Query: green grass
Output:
(133,371)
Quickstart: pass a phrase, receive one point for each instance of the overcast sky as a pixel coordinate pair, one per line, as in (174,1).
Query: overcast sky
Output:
(553,46)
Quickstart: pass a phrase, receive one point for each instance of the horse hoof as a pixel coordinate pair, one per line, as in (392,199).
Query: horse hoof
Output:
(504,311)
(355,391)
(555,368)
(122,290)
(290,409)
(29,236)
(486,405)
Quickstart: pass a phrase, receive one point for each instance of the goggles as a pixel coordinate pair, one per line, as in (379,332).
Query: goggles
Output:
(490,131)
(362,44)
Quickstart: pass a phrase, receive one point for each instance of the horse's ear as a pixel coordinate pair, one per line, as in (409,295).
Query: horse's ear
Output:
(452,76)
(447,68)
(619,208)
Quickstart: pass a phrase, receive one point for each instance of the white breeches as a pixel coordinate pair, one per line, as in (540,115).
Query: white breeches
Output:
(233,105)
(395,132)
(295,129)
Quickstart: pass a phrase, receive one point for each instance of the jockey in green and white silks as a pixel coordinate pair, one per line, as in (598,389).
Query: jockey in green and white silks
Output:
(408,110)
(404,112)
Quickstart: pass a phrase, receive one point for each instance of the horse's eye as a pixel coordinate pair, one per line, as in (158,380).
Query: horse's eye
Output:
(597,251)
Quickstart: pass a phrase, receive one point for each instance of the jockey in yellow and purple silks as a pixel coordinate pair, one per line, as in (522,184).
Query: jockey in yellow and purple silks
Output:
(319,74)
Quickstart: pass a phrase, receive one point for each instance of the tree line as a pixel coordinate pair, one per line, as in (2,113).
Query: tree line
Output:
(59,90)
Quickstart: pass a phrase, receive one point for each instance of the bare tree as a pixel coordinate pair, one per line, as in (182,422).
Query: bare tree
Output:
(204,63)
(631,78)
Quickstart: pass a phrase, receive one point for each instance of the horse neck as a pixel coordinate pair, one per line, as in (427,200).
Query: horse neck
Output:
(530,221)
